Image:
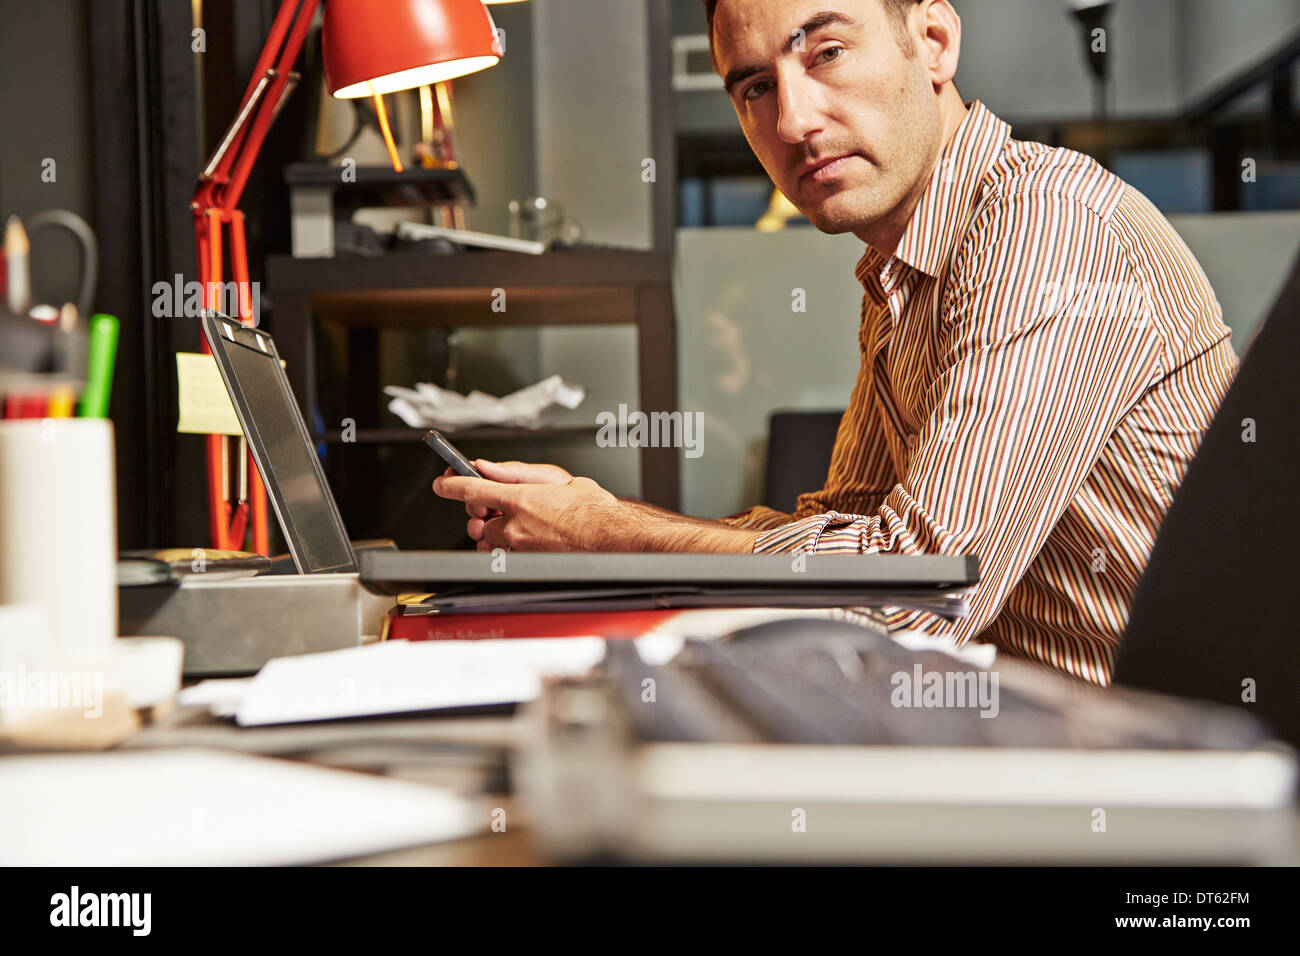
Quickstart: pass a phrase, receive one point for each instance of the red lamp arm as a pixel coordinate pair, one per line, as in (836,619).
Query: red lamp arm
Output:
(223,179)
(214,205)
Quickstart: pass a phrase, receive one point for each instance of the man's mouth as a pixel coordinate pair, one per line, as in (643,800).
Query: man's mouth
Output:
(826,170)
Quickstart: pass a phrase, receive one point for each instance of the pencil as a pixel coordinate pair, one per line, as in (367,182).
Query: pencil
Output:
(62,404)
(101,354)
(63,401)
(18,271)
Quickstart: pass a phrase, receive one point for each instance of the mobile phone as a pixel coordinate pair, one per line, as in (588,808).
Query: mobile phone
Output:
(450,454)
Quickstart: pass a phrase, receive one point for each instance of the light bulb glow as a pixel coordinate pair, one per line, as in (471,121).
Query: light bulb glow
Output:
(419,76)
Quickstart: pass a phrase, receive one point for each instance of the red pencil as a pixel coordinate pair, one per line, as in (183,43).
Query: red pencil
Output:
(26,406)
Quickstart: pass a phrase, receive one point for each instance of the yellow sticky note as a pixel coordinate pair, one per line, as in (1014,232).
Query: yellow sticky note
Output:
(205,407)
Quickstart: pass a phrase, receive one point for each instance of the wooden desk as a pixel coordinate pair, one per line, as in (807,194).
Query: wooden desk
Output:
(514,847)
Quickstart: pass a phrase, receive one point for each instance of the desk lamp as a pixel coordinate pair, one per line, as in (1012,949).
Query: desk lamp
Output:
(370,47)
(1093,16)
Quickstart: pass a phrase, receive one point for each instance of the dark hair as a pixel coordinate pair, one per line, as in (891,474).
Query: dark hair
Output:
(897,9)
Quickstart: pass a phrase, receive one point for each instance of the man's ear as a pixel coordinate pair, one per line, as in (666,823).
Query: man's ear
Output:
(941,40)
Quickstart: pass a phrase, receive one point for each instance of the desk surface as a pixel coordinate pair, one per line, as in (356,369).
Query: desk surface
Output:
(514,847)
(467,754)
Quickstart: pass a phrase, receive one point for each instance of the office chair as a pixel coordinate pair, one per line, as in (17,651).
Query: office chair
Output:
(798,455)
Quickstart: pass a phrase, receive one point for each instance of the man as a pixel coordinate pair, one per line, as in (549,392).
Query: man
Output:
(1041,354)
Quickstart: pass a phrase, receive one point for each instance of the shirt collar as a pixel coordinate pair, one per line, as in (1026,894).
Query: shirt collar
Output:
(941,214)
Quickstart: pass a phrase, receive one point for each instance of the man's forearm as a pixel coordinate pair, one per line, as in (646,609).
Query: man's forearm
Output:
(646,527)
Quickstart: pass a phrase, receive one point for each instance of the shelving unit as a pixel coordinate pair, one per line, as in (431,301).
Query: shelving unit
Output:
(398,436)
(579,287)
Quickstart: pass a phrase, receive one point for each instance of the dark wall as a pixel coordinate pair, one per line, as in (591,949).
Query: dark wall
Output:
(45,114)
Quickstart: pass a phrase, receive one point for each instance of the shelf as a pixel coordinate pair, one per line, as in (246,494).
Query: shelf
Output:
(586,287)
(447,308)
(398,436)
(587,268)
(379,186)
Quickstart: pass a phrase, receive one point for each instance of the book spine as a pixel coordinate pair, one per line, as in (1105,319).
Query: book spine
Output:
(496,627)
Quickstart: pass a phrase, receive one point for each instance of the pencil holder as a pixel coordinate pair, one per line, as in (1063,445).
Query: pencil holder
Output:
(58,537)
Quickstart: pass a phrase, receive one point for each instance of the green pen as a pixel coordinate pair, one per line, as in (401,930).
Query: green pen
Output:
(101,353)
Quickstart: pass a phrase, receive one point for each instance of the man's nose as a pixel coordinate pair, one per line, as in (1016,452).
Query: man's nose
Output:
(800,109)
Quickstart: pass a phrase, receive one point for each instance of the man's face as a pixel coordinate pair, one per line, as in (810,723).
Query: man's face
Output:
(842,118)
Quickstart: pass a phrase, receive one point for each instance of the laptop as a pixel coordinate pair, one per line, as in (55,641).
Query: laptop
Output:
(471,582)
(816,742)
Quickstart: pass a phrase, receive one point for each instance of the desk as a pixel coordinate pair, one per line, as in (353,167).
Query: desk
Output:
(467,754)
(514,847)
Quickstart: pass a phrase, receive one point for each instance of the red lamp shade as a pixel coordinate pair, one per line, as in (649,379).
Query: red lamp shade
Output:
(381,46)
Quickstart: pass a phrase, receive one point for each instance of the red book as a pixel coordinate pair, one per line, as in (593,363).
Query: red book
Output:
(486,627)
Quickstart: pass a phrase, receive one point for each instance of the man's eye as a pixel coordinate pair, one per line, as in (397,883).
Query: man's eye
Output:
(831,53)
(756,90)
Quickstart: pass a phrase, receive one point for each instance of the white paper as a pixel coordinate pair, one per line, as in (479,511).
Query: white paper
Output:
(220,695)
(404,676)
(977,655)
(212,808)
(428,406)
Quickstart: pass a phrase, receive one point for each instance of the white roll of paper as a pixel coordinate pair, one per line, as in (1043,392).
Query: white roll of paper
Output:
(58,534)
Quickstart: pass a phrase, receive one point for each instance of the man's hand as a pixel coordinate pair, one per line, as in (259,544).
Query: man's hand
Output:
(535,507)
(529,507)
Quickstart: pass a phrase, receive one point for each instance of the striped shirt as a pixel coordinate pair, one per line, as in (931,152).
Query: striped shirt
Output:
(1041,356)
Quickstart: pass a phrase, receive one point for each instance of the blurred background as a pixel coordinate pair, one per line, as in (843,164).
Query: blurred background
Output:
(664,284)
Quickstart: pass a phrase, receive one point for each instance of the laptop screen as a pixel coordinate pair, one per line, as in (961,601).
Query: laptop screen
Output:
(260,392)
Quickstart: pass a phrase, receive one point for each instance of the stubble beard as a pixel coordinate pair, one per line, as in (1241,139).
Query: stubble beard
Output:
(880,187)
